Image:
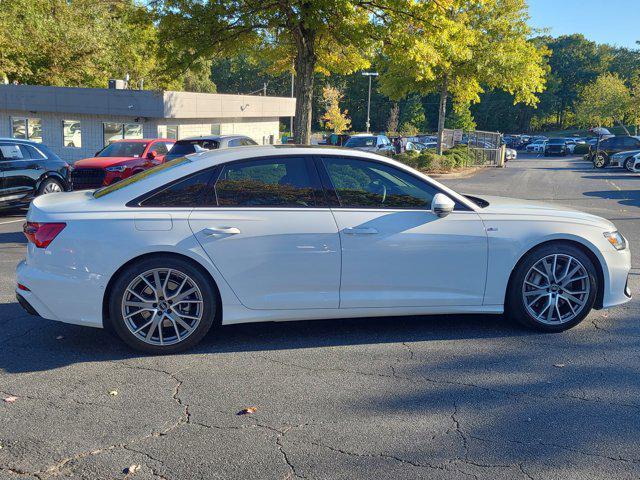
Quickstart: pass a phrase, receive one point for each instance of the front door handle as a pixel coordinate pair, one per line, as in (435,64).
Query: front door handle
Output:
(360,231)
(221,231)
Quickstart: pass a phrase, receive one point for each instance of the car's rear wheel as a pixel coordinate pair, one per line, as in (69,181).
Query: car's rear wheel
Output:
(600,160)
(162,305)
(50,185)
(553,288)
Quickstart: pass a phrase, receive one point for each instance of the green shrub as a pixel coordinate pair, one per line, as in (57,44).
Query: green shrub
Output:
(581,149)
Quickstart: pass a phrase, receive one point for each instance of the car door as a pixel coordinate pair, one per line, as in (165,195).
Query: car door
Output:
(395,251)
(22,166)
(271,235)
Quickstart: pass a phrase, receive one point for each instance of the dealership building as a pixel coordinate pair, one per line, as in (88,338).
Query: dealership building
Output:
(77,122)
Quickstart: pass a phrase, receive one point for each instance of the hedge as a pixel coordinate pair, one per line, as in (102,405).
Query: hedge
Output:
(429,161)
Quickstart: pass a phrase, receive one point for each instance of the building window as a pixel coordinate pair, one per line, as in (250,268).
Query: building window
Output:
(215,129)
(117,131)
(71,133)
(26,128)
(168,131)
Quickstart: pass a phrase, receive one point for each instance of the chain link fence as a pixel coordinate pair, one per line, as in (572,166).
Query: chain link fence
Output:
(485,147)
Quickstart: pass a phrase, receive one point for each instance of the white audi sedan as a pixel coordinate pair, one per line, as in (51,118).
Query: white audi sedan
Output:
(270,233)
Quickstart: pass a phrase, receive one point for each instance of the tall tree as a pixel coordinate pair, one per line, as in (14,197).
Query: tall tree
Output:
(605,102)
(479,44)
(300,35)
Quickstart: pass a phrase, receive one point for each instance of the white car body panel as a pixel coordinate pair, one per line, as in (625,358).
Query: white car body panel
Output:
(296,264)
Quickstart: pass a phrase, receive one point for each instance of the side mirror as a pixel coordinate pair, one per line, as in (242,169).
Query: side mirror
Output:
(442,205)
(152,154)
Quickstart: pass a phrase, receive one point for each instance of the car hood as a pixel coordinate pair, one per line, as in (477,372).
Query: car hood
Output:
(102,162)
(532,208)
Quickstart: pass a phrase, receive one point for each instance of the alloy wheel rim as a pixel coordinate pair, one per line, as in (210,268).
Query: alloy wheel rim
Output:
(556,289)
(162,306)
(52,187)
(600,161)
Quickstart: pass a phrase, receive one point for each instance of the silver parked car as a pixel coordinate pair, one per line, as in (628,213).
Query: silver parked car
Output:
(187,146)
(370,143)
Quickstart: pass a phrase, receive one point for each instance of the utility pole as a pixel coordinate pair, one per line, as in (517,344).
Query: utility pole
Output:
(369,74)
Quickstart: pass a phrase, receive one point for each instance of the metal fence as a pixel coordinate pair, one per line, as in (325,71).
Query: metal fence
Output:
(486,147)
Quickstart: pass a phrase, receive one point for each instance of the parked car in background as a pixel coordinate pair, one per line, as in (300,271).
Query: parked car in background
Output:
(370,143)
(556,146)
(623,159)
(419,146)
(601,154)
(536,147)
(299,233)
(510,154)
(119,160)
(187,146)
(635,164)
(337,139)
(29,169)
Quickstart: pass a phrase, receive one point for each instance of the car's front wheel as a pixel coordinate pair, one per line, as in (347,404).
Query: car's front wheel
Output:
(162,305)
(553,288)
(628,164)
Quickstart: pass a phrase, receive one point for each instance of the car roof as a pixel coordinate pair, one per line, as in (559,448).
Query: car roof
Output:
(19,140)
(217,138)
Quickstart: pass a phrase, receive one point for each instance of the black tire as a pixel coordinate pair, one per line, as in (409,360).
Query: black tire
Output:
(515,307)
(600,160)
(49,183)
(628,164)
(210,303)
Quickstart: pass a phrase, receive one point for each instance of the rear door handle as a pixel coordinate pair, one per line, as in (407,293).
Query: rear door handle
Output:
(221,231)
(360,231)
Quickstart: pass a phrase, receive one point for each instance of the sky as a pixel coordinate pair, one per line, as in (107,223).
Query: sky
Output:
(614,22)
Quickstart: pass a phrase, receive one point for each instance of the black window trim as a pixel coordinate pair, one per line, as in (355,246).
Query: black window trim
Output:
(328,185)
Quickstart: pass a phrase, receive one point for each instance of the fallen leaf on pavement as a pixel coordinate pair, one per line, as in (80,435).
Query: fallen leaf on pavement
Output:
(248,411)
(559,365)
(10,399)
(131,469)
(113,393)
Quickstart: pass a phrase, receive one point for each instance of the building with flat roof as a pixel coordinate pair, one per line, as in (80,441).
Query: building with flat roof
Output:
(77,122)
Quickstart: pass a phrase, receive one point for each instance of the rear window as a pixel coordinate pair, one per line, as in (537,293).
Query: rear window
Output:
(114,187)
(361,142)
(187,147)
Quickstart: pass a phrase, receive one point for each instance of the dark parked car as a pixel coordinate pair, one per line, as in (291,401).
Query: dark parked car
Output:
(28,169)
(601,154)
(187,146)
(556,146)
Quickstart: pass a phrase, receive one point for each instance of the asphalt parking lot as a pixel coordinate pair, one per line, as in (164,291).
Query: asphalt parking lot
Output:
(394,398)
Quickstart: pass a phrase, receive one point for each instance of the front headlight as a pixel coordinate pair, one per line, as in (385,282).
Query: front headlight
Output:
(616,239)
(117,168)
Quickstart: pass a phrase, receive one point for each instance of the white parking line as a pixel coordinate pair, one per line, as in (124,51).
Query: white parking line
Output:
(13,221)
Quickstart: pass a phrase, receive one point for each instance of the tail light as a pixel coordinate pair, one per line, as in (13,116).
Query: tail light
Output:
(42,234)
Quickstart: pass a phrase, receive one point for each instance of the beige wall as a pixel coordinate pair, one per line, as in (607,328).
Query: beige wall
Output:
(259,129)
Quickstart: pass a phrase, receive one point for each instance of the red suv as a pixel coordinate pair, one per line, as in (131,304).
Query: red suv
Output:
(118,160)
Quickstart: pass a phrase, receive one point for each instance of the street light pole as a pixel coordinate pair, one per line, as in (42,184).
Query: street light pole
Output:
(369,74)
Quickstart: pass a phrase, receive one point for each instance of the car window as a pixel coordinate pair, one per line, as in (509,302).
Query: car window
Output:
(361,142)
(123,149)
(11,151)
(31,153)
(187,147)
(362,183)
(248,141)
(193,191)
(629,142)
(269,182)
(235,142)
(159,147)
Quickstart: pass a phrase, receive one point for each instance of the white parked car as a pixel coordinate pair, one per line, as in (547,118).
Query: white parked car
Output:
(511,154)
(537,147)
(293,233)
(634,165)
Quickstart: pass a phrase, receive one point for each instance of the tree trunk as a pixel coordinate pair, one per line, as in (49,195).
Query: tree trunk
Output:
(303,86)
(442,112)
(621,122)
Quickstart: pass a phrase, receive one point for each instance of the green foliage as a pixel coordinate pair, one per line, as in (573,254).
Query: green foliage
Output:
(412,113)
(581,149)
(605,102)
(429,161)
(333,118)
(408,129)
(461,117)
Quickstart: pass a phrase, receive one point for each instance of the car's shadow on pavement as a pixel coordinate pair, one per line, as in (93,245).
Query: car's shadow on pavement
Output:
(31,344)
(629,198)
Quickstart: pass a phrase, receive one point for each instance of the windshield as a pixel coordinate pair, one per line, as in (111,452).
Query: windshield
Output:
(123,149)
(187,147)
(114,187)
(361,142)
